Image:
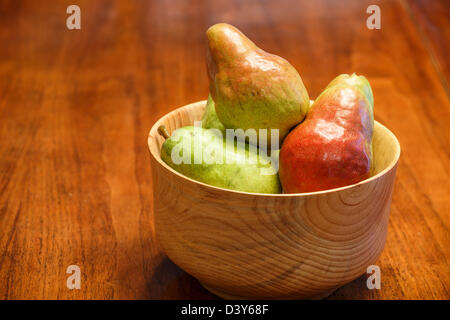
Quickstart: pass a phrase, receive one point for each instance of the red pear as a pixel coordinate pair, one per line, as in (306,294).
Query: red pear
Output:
(333,147)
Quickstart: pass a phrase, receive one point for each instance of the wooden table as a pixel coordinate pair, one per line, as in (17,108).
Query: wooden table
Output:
(76,107)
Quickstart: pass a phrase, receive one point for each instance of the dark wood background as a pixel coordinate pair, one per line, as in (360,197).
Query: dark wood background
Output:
(76,108)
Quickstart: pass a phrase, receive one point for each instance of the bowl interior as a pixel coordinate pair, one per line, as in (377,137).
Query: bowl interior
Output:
(386,148)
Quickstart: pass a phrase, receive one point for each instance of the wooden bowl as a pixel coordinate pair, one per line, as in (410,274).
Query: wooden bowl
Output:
(243,245)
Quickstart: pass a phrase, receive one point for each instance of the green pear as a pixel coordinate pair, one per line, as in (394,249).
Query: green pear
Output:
(210,119)
(206,156)
(252,89)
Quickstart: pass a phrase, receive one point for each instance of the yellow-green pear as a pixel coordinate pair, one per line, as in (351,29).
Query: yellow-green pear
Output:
(204,155)
(210,119)
(252,89)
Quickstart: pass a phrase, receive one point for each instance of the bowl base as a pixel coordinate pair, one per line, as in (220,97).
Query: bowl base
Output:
(228,296)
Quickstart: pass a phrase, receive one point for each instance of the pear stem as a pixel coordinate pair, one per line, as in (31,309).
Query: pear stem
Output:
(163,131)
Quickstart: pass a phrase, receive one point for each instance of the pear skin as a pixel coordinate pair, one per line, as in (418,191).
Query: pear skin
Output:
(333,147)
(210,119)
(252,89)
(204,155)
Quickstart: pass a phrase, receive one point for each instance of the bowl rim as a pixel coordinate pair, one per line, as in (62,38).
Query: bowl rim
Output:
(195,104)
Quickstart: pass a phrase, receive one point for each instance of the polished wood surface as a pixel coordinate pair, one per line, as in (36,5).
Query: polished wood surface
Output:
(242,245)
(76,107)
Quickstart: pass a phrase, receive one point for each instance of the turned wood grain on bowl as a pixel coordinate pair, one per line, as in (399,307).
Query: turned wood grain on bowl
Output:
(247,245)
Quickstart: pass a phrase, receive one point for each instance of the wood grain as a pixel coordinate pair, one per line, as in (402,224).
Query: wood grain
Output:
(432,25)
(76,108)
(243,245)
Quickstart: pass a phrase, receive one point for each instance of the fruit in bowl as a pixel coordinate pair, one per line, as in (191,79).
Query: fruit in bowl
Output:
(229,224)
(253,91)
(274,246)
